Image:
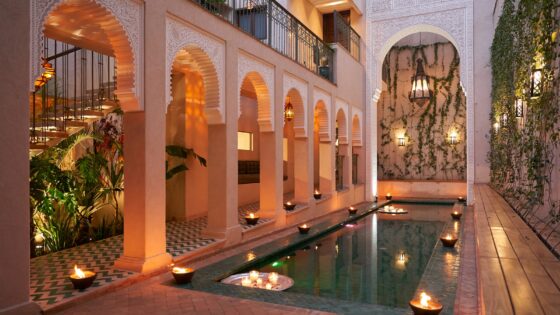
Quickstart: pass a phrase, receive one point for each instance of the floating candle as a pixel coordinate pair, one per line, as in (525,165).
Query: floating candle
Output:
(253,275)
(246,282)
(273,278)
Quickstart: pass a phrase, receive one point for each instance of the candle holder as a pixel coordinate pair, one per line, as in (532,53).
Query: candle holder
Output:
(82,280)
(456,215)
(352,211)
(424,306)
(317,195)
(288,206)
(251,219)
(182,275)
(388,197)
(461,200)
(304,229)
(448,240)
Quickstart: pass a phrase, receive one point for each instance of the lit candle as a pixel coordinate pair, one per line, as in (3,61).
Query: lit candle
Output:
(273,278)
(82,279)
(316,191)
(246,282)
(182,275)
(251,215)
(388,196)
(181,270)
(289,203)
(259,282)
(304,228)
(268,286)
(317,194)
(253,275)
(251,256)
(78,273)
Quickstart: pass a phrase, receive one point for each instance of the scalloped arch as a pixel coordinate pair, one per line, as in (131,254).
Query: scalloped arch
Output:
(207,55)
(322,117)
(262,79)
(119,20)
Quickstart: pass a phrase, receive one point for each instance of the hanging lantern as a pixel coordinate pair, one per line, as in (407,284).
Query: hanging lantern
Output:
(420,93)
(519,105)
(536,82)
(49,70)
(289,111)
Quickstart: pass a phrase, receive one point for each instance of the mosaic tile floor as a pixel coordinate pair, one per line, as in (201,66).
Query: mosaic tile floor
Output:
(49,273)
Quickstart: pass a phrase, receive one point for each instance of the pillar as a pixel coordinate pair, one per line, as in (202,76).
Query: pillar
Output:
(223,220)
(326,167)
(303,172)
(271,177)
(14,160)
(144,153)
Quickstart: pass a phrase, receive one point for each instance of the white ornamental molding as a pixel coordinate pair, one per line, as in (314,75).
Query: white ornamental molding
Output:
(261,76)
(342,106)
(129,55)
(356,127)
(388,21)
(209,55)
(298,87)
(323,117)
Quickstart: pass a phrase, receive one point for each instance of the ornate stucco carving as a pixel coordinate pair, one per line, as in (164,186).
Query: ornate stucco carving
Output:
(300,119)
(130,17)
(342,125)
(324,120)
(263,83)
(356,122)
(389,21)
(209,53)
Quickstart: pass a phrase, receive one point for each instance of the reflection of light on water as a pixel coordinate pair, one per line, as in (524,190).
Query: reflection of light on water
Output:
(449,259)
(401,260)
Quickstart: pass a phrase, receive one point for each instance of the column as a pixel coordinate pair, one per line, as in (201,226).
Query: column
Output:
(14,160)
(144,153)
(223,217)
(326,167)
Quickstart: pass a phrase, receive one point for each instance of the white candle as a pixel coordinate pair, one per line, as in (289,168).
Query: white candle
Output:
(273,278)
(253,275)
(269,286)
(259,282)
(246,282)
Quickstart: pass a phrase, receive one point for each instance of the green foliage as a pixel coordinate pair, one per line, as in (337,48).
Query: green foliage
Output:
(183,154)
(427,154)
(525,39)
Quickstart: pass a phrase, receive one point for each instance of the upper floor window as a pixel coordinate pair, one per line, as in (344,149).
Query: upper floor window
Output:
(254,21)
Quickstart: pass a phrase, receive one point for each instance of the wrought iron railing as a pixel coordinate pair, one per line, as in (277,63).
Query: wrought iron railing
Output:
(346,36)
(270,23)
(81,87)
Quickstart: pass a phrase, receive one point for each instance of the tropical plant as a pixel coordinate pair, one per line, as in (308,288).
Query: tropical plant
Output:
(185,154)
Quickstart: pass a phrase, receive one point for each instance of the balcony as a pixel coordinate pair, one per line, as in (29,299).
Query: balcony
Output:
(328,6)
(270,23)
(339,31)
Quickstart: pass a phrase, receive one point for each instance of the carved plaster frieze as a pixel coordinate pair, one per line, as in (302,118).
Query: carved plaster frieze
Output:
(210,55)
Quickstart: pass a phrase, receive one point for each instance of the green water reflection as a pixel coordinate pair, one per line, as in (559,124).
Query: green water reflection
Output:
(380,260)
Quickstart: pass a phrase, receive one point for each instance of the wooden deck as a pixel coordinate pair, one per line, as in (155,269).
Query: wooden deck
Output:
(517,274)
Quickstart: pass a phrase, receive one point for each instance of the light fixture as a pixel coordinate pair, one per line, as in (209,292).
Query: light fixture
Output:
(496,126)
(420,92)
(49,70)
(288,111)
(536,82)
(401,141)
(453,137)
(504,119)
(519,105)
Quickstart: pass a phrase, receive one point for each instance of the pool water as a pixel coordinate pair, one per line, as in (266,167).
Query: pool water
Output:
(379,260)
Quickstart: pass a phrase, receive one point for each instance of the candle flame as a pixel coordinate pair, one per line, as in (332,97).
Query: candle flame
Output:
(181,270)
(316,191)
(289,203)
(424,299)
(388,194)
(251,215)
(78,272)
(448,236)
(304,226)
(455,212)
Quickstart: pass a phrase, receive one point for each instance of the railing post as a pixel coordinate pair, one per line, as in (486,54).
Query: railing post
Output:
(269,17)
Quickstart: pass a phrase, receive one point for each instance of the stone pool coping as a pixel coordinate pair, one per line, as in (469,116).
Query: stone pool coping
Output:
(439,278)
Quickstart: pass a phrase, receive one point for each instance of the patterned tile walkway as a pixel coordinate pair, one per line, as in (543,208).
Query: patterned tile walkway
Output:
(49,282)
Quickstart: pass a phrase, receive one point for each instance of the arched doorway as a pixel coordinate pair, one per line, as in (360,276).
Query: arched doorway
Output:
(422,140)
(323,155)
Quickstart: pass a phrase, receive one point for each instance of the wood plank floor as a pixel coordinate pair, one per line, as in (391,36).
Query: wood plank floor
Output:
(517,273)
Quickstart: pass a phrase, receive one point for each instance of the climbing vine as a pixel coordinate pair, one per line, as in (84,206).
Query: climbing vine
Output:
(524,150)
(427,153)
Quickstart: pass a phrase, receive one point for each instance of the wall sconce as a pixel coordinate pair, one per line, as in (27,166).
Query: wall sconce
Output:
(519,105)
(536,82)
(496,126)
(401,141)
(504,119)
(453,137)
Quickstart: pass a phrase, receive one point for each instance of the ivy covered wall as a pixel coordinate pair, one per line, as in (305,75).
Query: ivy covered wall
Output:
(525,134)
(427,153)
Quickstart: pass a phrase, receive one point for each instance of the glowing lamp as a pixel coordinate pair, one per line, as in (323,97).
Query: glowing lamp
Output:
(456,215)
(182,275)
(82,279)
(448,240)
(519,106)
(251,218)
(289,206)
(289,111)
(401,141)
(352,210)
(304,228)
(388,196)
(453,137)
(536,82)
(317,194)
(420,92)
(424,305)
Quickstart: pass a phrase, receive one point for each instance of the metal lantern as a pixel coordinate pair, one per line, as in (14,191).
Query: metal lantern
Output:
(401,141)
(536,82)
(289,111)
(420,92)
(519,105)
